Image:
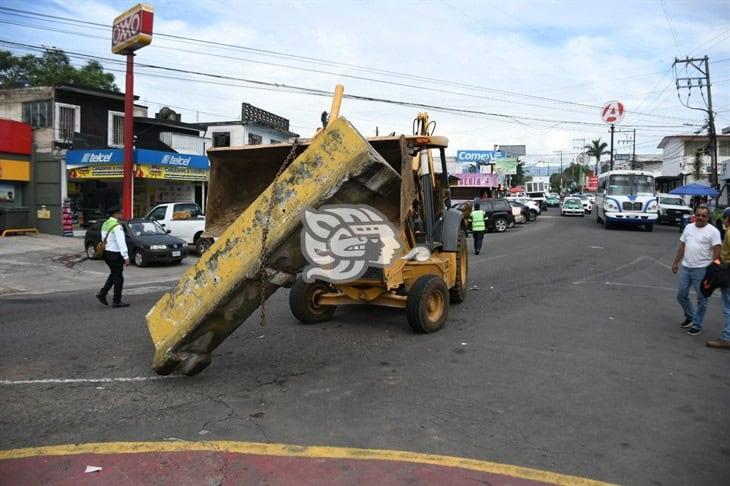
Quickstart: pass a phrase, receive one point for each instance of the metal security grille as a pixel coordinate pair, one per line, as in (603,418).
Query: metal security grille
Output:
(117,130)
(628,206)
(66,123)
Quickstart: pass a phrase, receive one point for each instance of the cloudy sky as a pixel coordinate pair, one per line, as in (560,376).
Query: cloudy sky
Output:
(495,72)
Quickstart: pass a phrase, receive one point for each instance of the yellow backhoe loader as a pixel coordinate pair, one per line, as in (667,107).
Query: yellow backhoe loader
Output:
(258,201)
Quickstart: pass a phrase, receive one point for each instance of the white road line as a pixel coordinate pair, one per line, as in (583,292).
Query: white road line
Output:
(64,381)
(619,284)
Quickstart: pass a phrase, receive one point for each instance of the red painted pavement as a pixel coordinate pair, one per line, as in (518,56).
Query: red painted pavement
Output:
(199,468)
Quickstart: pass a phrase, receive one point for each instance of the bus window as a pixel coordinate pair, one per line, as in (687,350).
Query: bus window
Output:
(619,185)
(644,185)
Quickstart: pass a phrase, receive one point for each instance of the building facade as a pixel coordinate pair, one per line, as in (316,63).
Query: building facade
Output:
(256,127)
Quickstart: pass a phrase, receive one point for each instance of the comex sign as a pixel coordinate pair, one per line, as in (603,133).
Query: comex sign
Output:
(478,156)
(132,29)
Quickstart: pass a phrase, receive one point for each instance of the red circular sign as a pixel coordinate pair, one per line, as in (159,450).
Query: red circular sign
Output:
(612,112)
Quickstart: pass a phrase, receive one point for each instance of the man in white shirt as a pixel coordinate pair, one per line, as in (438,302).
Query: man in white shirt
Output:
(116,257)
(699,245)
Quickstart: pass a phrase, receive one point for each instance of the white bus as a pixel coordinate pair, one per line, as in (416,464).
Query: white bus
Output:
(626,197)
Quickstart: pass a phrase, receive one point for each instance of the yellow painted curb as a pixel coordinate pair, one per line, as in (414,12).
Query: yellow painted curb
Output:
(285,450)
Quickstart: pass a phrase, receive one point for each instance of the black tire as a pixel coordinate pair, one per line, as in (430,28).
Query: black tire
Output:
(427,305)
(606,224)
(533,215)
(582,215)
(649,228)
(202,245)
(301,302)
(139,258)
(500,224)
(91,251)
(457,293)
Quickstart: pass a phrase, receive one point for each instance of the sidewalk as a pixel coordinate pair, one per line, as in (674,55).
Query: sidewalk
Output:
(46,263)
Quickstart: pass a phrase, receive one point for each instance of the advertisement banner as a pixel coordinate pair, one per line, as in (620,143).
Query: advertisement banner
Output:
(477,180)
(506,166)
(141,156)
(592,183)
(140,172)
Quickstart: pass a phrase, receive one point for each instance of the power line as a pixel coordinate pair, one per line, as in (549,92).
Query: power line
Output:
(26,14)
(319,92)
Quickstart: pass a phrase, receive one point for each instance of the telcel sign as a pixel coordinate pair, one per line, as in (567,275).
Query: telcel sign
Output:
(132,29)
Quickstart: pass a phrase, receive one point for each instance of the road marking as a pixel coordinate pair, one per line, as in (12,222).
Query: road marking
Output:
(619,284)
(596,247)
(63,381)
(497,257)
(316,452)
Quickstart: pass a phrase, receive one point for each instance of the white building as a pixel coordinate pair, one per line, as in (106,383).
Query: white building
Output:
(255,127)
(679,156)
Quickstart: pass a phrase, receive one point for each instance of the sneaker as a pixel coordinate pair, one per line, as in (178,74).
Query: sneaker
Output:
(120,304)
(102,299)
(693,331)
(686,323)
(718,343)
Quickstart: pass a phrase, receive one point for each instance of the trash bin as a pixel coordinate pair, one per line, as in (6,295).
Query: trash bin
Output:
(12,218)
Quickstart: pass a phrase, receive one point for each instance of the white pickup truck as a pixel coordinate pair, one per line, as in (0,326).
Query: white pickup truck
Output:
(184,220)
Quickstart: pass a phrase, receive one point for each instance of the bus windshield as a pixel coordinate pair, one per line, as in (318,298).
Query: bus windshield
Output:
(631,185)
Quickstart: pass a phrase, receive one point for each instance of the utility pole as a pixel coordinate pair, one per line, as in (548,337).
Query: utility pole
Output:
(631,141)
(561,168)
(701,64)
(613,127)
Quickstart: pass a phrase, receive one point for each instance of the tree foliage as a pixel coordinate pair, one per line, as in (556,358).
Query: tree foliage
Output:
(519,178)
(52,68)
(596,149)
(698,165)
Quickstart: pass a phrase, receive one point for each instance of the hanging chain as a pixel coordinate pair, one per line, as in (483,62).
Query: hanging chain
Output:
(265,228)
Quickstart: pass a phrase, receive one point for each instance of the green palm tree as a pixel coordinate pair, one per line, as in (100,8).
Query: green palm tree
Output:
(596,149)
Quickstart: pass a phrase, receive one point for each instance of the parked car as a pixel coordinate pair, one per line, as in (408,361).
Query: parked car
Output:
(184,220)
(552,201)
(671,208)
(147,242)
(498,213)
(539,198)
(527,202)
(529,214)
(572,205)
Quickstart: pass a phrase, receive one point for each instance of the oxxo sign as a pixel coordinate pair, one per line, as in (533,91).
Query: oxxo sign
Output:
(132,29)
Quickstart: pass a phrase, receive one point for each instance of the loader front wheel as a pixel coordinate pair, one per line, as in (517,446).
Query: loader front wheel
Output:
(302,301)
(457,293)
(427,305)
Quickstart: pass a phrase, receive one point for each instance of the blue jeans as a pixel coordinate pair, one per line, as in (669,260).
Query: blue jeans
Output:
(726,312)
(693,277)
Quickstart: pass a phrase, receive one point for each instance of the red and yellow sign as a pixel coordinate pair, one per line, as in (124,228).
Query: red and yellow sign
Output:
(110,171)
(14,170)
(132,29)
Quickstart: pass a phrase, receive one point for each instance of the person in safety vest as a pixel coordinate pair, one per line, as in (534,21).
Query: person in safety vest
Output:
(478,227)
(116,256)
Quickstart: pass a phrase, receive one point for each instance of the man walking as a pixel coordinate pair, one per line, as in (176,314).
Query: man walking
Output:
(723,341)
(699,245)
(478,226)
(115,256)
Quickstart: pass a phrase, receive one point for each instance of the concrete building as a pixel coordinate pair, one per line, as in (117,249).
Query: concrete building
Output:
(679,156)
(255,127)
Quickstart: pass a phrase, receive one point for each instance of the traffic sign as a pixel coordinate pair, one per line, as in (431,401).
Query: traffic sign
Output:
(612,112)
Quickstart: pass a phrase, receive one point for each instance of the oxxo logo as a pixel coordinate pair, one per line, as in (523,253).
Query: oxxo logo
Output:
(169,159)
(340,242)
(127,27)
(96,158)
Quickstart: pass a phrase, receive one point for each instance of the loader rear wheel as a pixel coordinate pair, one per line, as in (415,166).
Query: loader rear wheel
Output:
(457,293)
(427,305)
(302,301)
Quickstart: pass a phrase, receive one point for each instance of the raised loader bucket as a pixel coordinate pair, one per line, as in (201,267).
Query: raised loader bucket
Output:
(225,286)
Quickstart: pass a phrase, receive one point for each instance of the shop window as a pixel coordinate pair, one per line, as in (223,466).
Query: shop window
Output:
(115,129)
(254,139)
(68,121)
(37,113)
(221,139)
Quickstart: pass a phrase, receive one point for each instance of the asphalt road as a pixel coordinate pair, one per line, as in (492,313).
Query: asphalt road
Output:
(567,356)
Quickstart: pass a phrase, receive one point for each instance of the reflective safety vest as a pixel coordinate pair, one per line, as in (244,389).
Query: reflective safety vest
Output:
(477,220)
